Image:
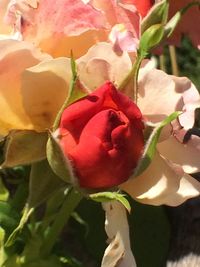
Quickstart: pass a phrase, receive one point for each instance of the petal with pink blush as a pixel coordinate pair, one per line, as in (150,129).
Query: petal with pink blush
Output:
(96,66)
(120,12)
(15,57)
(61,25)
(162,183)
(122,39)
(49,25)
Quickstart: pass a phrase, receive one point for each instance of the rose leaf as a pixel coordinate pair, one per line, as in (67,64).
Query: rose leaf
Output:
(110,196)
(24,147)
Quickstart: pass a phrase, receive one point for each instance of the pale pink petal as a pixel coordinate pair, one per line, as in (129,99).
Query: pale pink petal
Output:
(189,24)
(100,64)
(186,155)
(162,183)
(15,57)
(157,95)
(118,253)
(161,94)
(191,100)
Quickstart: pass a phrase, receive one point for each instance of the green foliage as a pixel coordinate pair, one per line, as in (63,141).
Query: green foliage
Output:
(188,59)
(43,183)
(150,234)
(4,194)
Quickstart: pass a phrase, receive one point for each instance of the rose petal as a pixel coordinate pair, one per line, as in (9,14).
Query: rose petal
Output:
(53,21)
(118,253)
(44,90)
(123,39)
(162,183)
(109,142)
(157,95)
(89,106)
(186,155)
(161,94)
(191,100)
(120,12)
(15,57)
(4,28)
(143,6)
(96,66)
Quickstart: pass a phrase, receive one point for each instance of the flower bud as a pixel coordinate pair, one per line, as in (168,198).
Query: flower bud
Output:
(102,136)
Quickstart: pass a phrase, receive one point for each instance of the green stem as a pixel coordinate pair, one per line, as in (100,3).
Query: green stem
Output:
(70,203)
(71,88)
(133,74)
(172,52)
(162,63)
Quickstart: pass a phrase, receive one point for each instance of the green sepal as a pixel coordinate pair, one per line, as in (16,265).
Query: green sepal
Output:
(76,91)
(59,163)
(23,147)
(157,15)
(109,196)
(150,39)
(150,148)
(173,22)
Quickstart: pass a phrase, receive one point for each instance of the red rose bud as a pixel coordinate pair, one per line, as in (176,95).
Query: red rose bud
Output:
(102,135)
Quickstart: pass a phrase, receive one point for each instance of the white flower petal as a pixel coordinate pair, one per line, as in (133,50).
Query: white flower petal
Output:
(118,253)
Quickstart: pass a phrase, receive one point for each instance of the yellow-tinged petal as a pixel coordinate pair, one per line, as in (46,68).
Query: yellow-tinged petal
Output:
(4,28)
(162,183)
(15,57)
(44,90)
